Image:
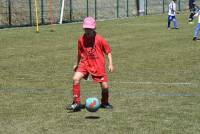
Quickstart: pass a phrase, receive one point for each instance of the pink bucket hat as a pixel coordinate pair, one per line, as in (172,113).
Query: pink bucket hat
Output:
(89,22)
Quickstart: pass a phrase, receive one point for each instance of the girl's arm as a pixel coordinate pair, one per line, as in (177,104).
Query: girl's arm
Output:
(110,66)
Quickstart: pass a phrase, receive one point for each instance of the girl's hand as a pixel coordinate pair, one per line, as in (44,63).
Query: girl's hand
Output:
(110,68)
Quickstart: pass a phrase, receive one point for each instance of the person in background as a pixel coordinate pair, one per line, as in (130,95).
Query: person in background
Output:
(197,28)
(172,14)
(192,10)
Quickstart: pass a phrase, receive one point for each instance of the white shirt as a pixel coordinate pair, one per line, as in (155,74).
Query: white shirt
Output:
(197,15)
(172,8)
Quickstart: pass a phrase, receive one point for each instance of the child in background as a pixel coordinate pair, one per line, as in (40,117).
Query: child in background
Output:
(90,61)
(196,32)
(172,14)
(192,10)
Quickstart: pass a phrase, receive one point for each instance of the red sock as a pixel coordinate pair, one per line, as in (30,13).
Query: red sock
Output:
(105,95)
(76,93)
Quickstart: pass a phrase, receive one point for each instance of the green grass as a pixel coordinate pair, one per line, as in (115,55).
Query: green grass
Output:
(154,88)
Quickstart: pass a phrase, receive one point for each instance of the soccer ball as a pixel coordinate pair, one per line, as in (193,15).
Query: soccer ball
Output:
(92,104)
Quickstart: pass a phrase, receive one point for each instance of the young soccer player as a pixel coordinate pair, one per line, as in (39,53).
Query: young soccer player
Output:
(172,14)
(196,31)
(90,61)
(192,10)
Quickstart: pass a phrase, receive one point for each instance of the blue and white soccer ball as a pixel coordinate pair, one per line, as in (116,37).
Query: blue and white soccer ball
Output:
(92,104)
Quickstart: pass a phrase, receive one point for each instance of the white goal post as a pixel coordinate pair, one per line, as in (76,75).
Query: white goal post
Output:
(62,11)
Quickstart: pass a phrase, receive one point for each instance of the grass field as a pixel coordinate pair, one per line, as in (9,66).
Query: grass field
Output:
(154,88)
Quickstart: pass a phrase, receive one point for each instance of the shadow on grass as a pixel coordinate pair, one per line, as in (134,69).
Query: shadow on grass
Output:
(92,117)
(71,111)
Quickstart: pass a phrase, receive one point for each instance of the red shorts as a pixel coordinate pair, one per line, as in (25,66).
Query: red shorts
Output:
(85,73)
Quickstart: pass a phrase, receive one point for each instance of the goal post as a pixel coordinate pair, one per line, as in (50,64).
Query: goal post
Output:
(62,11)
(36,16)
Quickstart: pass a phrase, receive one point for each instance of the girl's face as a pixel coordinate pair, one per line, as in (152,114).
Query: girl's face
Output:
(88,31)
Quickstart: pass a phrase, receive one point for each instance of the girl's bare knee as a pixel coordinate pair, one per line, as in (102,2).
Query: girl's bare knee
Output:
(104,85)
(75,80)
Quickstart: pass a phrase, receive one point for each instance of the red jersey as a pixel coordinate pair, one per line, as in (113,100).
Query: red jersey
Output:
(92,50)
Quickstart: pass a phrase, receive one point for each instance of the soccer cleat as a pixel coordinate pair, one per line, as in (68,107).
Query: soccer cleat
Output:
(195,39)
(74,107)
(106,106)
(175,28)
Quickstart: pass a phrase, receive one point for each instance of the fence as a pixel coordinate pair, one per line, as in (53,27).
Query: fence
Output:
(22,12)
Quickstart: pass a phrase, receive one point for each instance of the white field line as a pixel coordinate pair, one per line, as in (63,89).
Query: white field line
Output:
(149,82)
